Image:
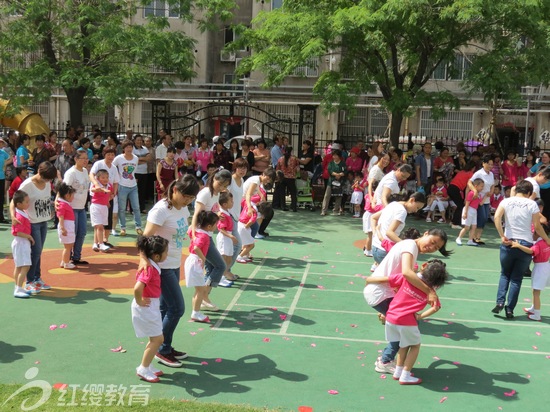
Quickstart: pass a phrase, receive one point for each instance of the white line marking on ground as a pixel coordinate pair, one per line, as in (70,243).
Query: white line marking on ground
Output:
(292,308)
(428,345)
(238,295)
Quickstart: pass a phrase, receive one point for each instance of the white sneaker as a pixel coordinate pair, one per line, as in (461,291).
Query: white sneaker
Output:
(32,288)
(146,374)
(373,267)
(241,260)
(69,265)
(224,283)
(382,367)
(258,236)
(20,293)
(156,371)
(114,232)
(95,247)
(199,317)
(472,243)
(209,306)
(408,379)
(459,241)
(367,253)
(428,220)
(42,285)
(104,248)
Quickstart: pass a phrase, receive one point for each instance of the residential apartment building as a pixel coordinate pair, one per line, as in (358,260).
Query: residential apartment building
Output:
(218,102)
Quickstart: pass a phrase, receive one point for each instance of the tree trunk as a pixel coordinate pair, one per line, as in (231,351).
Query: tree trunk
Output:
(395,128)
(75,96)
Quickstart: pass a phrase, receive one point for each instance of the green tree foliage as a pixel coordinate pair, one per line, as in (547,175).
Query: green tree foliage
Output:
(390,45)
(96,49)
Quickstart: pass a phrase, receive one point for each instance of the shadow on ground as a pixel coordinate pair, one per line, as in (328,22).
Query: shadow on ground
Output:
(445,376)
(11,353)
(260,319)
(452,330)
(79,297)
(209,377)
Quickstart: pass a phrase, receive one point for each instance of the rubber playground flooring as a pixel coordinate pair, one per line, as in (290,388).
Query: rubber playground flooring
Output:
(296,333)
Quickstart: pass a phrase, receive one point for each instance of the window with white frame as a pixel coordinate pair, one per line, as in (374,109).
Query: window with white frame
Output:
(455,69)
(355,126)
(146,114)
(379,122)
(43,109)
(309,69)
(159,8)
(455,124)
(20,60)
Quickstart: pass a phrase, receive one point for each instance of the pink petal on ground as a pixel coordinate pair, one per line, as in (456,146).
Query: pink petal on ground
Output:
(332,266)
(511,393)
(305,409)
(291,243)
(446,336)
(500,408)
(528,376)
(353,325)
(320,287)
(275,309)
(383,376)
(351,283)
(62,326)
(218,360)
(450,323)
(283,317)
(456,363)
(60,386)
(267,340)
(192,333)
(535,348)
(338,253)
(53,327)
(239,323)
(37,362)
(362,352)
(435,357)
(204,363)
(200,329)
(301,284)
(346,345)
(286,338)
(358,275)
(548,357)
(333,392)
(446,388)
(313,345)
(443,399)
(382,398)
(452,314)
(527,300)
(116,349)
(537,333)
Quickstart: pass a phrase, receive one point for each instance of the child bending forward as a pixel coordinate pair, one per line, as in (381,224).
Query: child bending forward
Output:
(402,318)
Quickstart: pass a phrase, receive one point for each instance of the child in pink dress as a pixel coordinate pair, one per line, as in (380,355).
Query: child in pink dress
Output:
(225,239)
(99,209)
(146,316)
(66,226)
(402,318)
(21,244)
(246,220)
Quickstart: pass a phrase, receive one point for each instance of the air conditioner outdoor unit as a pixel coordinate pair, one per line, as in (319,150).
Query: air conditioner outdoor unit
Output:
(226,56)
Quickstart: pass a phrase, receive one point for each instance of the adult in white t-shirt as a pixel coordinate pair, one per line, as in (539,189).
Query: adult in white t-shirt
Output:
(107,164)
(401,259)
(169,219)
(520,212)
(236,188)
(39,190)
(390,184)
(390,221)
(484,208)
(141,170)
(77,177)
(207,200)
(254,188)
(126,163)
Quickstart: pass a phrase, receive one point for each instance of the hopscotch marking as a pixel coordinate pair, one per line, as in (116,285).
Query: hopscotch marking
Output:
(294,304)
(238,295)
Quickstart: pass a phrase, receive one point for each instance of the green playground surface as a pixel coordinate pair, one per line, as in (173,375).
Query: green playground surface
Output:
(294,333)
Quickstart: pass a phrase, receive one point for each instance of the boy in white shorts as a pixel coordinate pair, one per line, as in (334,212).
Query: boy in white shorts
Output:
(99,208)
(225,239)
(469,214)
(21,244)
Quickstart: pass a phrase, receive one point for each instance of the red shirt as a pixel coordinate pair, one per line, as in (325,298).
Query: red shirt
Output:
(102,198)
(440,191)
(202,241)
(225,222)
(14,187)
(150,276)
(244,218)
(438,162)
(407,302)
(495,201)
(474,203)
(65,210)
(24,226)
(541,251)
(461,179)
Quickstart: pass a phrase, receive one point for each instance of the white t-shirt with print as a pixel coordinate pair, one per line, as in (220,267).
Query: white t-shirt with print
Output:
(113,171)
(126,170)
(519,213)
(376,293)
(80,181)
(394,211)
(173,224)
(209,201)
(40,206)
